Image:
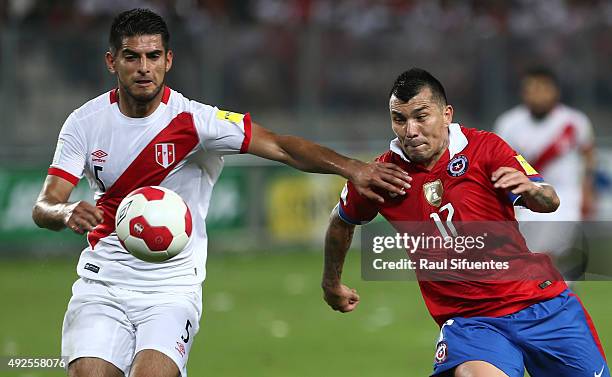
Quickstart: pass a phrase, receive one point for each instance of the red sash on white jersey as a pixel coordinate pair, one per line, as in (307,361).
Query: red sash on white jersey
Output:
(146,171)
(565,141)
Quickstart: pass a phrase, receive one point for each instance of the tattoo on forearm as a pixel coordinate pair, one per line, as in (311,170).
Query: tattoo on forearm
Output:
(544,198)
(337,243)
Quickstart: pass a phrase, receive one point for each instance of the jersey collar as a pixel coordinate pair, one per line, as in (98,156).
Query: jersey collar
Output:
(457,142)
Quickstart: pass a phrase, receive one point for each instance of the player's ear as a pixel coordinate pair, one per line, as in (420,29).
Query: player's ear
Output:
(110,62)
(448,114)
(169,57)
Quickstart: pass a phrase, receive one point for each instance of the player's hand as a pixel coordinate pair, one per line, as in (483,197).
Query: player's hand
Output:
(341,298)
(383,175)
(515,181)
(82,217)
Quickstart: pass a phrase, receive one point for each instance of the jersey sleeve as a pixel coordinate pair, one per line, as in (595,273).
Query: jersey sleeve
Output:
(585,137)
(222,131)
(354,208)
(502,155)
(70,152)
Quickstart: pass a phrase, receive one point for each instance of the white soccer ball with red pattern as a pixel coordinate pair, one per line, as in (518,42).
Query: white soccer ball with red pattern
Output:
(153,223)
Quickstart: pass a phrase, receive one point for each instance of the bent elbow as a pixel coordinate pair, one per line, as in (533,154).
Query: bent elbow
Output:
(551,206)
(556,202)
(36,215)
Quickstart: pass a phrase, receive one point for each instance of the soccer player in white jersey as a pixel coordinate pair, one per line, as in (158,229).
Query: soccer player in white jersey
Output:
(558,141)
(127,316)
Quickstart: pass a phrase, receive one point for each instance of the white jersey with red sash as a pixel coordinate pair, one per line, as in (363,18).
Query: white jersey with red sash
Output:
(553,146)
(179,146)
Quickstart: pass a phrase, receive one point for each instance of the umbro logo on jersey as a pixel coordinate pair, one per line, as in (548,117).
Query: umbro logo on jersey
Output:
(98,156)
(164,154)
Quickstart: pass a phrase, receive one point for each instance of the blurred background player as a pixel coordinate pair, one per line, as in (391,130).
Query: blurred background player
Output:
(127,316)
(558,141)
(492,327)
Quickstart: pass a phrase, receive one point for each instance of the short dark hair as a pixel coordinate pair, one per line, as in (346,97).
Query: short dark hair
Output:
(410,83)
(541,71)
(137,22)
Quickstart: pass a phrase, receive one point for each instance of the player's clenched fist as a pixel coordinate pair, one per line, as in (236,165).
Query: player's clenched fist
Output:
(82,217)
(387,176)
(341,298)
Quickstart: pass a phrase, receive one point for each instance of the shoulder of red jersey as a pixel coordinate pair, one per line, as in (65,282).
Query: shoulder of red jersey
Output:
(482,138)
(388,156)
(475,134)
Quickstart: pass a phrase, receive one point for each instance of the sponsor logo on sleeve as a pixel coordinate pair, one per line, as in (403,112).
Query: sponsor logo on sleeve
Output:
(229,116)
(529,170)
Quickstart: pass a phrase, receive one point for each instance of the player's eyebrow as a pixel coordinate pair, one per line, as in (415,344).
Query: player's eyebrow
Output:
(419,109)
(127,51)
(397,113)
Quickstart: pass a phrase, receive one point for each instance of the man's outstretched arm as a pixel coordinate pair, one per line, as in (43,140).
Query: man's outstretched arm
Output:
(311,157)
(337,242)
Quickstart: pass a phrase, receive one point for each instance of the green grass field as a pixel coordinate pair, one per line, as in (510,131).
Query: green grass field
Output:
(263,316)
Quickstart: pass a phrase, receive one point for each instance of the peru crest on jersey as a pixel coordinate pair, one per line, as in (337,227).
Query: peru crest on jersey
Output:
(164,154)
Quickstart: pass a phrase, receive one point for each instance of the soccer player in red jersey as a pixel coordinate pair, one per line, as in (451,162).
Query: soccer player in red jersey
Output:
(493,327)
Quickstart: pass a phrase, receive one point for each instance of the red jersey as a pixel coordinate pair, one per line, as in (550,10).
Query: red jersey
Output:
(459,189)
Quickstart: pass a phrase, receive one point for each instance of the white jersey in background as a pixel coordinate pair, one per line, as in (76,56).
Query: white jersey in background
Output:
(553,146)
(179,146)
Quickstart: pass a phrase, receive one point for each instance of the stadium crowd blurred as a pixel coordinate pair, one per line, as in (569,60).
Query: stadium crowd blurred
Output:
(357,17)
(317,56)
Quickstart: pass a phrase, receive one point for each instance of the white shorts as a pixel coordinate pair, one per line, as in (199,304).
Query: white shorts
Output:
(114,324)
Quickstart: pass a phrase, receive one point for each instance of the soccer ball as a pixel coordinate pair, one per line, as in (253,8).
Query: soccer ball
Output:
(153,223)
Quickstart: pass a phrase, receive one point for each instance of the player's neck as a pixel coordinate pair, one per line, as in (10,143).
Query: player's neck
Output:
(136,109)
(539,116)
(436,157)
